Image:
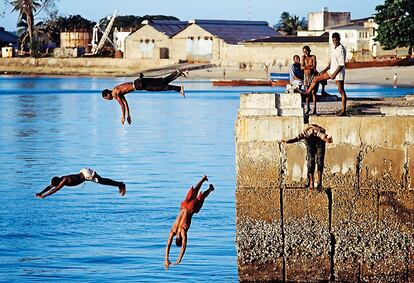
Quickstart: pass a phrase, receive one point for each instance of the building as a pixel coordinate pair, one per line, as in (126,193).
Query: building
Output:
(8,42)
(319,21)
(279,50)
(152,41)
(119,36)
(210,40)
(358,37)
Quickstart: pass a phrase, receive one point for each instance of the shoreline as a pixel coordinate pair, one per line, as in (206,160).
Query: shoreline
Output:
(382,76)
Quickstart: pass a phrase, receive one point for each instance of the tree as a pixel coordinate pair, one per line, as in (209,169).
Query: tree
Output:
(395,21)
(27,10)
(57,24)
(290,24)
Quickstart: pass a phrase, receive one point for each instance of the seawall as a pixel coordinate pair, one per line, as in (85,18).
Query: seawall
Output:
(359,228)
(74,66)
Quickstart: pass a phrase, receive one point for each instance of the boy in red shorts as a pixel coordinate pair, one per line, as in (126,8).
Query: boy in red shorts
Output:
(191,204)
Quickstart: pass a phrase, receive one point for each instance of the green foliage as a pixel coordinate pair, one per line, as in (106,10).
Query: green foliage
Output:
(290,24)
(57,24)
(396,24)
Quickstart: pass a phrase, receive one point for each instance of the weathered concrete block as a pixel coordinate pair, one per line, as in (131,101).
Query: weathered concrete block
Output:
(397,208)
(258,100)
(410,167)
(350,205)
(409,97)
(290,104)
(258,104)
(307,235)
(270,271)
(289,100)
(342,129)
(341,162)
(260,204)
(382,169)
(272,129)
(397,111)
(295,155)
(259,250)
(258,164)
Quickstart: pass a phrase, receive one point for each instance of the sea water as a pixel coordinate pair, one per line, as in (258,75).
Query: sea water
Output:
(58,125)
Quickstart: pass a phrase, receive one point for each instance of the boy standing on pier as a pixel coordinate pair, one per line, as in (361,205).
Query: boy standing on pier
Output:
(315,138)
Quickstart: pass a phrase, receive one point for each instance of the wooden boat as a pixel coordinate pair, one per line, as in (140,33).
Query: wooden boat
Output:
(246,82)
(279,79)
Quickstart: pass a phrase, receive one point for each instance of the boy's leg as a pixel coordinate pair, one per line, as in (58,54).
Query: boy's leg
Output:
(171,77)
(320,160)
(310,157)
(200,183)
(341,89)
(174,88)
(110,182)
(317,79)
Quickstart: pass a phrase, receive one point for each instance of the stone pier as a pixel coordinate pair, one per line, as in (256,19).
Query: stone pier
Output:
(359,228)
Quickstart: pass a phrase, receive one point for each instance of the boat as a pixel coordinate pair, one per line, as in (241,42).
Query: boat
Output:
(279,79)
(245,82)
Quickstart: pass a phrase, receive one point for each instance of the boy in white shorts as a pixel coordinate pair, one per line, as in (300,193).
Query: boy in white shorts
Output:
(334,71)
(85,174)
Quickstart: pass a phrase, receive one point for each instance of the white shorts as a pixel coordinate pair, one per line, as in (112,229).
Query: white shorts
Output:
(340,76)
(89,175)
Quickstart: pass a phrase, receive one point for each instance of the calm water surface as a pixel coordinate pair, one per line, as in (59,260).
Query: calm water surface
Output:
(56,126)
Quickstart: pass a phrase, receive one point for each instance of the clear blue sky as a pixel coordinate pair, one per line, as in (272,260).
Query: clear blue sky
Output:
(268,10)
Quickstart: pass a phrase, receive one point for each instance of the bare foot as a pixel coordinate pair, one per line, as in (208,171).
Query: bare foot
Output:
(204,178)
(38,195)
(182,91)
(122,189)
(341,114)
(211,187)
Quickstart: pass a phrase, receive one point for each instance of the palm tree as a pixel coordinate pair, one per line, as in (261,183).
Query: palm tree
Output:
(290,24)
(26,9)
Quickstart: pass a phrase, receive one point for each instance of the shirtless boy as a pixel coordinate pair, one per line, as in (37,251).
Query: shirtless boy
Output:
(142,83)
(191,204)
(86,174)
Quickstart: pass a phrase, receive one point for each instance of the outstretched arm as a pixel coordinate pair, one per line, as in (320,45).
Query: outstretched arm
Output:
(40,195)
(167,250)
(51,192)
(121,103)
(126,109)
(183,247)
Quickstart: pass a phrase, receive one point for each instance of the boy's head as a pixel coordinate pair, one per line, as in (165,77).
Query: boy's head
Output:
(56,181)
(296,59)
(107,94)
(336,39)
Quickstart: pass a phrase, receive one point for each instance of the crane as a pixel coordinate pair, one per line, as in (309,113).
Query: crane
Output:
(97,47)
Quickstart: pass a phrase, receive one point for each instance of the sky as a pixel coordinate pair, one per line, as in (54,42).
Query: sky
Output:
(263,10)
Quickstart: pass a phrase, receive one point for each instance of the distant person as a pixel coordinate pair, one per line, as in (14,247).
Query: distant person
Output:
(395,79)
(191,204)
(334,71)
(296,72)
(315,138)
(149,84)
(86,174)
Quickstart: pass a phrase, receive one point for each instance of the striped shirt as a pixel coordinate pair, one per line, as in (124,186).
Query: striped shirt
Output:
(312,130)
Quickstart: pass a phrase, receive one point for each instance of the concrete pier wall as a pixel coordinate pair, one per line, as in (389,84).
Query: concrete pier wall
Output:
(361,227)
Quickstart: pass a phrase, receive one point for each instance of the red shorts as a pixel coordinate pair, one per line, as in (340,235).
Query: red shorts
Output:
(192,202)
